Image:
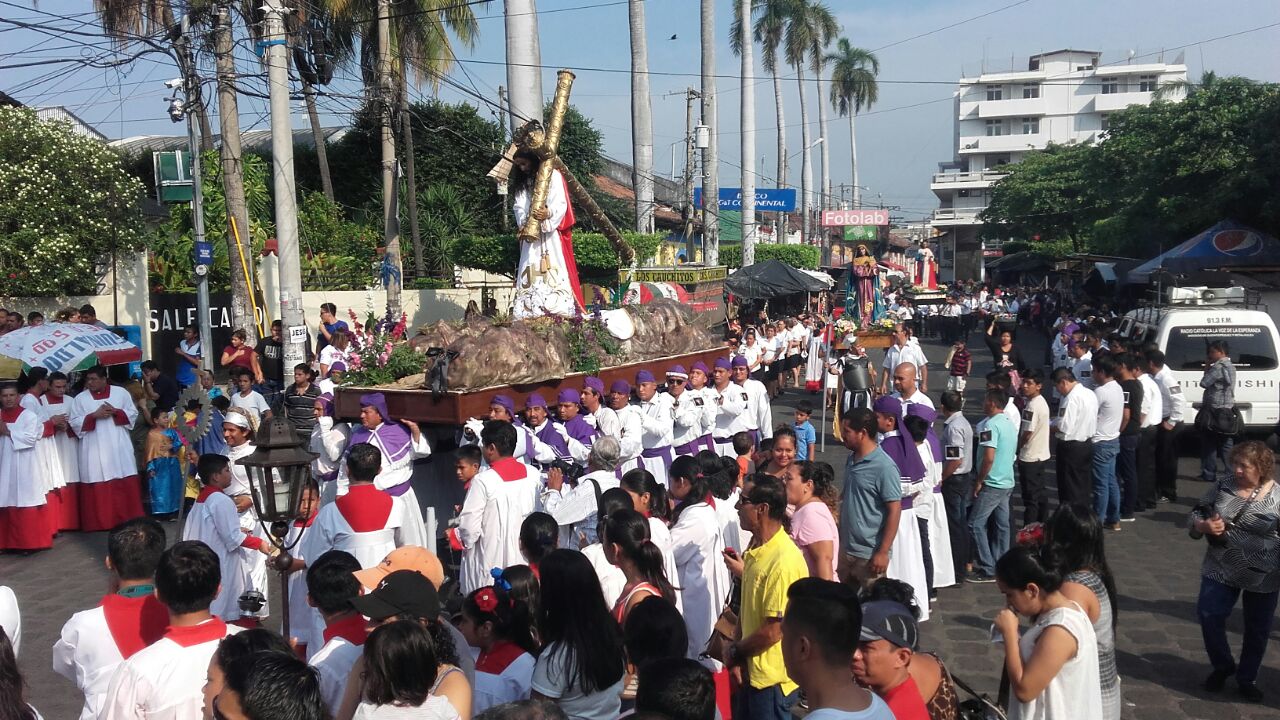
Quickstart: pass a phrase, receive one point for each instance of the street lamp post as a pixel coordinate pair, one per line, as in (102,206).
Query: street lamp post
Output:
(278,470)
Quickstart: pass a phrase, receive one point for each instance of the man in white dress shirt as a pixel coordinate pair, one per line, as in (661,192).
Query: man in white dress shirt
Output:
(96,641)
(1152,416)
(903,351)
(657,420)
(1075,425)
(165,680)
(1174,405)
(500,497)
(907,389)
(1106,442)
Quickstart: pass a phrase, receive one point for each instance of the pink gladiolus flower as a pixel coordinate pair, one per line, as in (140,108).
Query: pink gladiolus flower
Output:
(382,358)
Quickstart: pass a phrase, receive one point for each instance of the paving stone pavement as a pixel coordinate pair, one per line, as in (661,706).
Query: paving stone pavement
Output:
(1160,654)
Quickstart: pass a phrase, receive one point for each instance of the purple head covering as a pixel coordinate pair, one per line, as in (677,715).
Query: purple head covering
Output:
(699,365)
(929,415)
(325,400)
(505,401)
(888,405)
(594,383)
(338,366)
(722,364)
(391,437)
(569,395)
(620,386)
(739,361)
(644,376)
(677,371)
(535,400)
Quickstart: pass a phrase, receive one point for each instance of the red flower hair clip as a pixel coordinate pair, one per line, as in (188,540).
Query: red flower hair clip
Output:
(486,600)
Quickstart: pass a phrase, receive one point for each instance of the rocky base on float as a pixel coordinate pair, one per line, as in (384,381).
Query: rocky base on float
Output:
(492,353)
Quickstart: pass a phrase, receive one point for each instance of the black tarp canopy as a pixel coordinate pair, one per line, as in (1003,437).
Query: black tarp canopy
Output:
(770,279)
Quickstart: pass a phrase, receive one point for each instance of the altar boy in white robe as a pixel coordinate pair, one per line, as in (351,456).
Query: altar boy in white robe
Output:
(96,641)
(166,680)
(101,416)
(213,520)
(500,497)
(367,522)
(27,520)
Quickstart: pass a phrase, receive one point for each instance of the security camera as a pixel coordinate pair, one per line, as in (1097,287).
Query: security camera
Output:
(175,83)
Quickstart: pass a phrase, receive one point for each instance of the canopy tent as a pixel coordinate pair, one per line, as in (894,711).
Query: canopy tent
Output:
(770,279)
(1106,277)
(1227,244)
(821,277)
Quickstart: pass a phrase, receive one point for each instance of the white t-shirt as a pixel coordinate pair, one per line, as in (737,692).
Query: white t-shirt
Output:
(330,355)
(1035,420)
(877,710)
(435,708)
(1110,411)
(895,356)
(255,404)
(550,678)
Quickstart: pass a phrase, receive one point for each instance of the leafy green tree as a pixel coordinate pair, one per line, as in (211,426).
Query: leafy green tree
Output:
(65,201)
(798,256)
(445,216)
(1046,197)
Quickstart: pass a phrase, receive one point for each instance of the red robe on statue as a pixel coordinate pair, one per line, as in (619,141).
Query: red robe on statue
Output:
(566,240)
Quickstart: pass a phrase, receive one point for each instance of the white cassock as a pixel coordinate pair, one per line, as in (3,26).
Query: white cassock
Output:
(305,622)
(660,534)
(539,292)
(67,446)
(343,643)
(612,580)
(27,520)
(329,442)
(96,641)
(758,415)
(366,522)
(629,432)
(395,477)
(109,489)
(11,618)
(166,680)
(703,579)
(730,404)
(48,462)
(689,413)
(657,418)
(213,520)
(255,562)
(934,509)
(575,508)
(499,499)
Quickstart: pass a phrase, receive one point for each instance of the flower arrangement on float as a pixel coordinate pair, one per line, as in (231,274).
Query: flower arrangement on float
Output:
(378,353)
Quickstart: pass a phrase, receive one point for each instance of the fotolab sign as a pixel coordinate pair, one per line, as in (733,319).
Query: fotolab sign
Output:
(840,218)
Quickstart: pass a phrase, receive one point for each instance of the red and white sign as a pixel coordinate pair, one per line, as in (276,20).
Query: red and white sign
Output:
(840,218)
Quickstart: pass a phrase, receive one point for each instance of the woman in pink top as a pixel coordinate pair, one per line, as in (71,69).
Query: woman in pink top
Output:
(811,490)
(625,535)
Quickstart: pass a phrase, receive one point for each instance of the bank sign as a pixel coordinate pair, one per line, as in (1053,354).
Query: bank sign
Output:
(767,199)
(840,218)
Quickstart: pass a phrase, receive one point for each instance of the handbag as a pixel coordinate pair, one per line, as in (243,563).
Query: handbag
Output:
(1219,421)
(978,706)
(724,633)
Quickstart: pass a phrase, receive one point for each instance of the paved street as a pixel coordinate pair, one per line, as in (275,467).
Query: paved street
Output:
(1156,565)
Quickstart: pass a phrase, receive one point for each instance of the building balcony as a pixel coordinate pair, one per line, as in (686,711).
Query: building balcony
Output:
(971,145)
(963,180)
(1119,101)
(945,217)
(1013,107)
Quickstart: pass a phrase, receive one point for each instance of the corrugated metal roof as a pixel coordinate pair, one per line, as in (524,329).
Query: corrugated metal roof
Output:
(254,140)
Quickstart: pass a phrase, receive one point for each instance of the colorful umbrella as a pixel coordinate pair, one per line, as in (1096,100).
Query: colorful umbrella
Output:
(63,347)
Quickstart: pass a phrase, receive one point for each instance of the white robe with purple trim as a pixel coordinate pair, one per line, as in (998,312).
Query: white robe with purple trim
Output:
(397,469)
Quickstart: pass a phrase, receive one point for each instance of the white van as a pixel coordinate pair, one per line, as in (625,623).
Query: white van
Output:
(1183,329)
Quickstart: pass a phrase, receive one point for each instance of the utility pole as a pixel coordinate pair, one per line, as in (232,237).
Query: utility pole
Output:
(391,270)
(287,250)
(191,84)
(690,95)
(710,154)
(524,61)
(748,140)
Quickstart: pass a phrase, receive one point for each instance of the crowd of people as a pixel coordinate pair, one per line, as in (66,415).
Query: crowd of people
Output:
(642,547)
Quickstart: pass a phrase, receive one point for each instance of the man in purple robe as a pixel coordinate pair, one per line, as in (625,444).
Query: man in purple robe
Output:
(400,442)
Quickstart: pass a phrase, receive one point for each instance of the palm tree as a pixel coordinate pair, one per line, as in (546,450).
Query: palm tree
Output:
(828,28)
(641,119)
(323,44)
(853,88)
(808,25)
(768,29)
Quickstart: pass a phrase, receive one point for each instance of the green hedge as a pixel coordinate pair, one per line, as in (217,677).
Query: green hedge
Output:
(594,253)
(800,256)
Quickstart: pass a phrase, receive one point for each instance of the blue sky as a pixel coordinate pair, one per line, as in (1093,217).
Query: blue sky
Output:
(900,140)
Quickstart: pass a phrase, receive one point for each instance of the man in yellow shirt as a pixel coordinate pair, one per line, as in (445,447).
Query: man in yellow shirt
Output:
(768,568)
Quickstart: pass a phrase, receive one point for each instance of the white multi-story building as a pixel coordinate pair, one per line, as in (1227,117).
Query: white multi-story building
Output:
(1063,97)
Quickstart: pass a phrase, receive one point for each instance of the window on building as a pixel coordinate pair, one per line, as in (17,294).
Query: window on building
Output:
(1110,85)
(995,127)
(995,92)
(1030,126)
(1106,122)
(1147,83)
(1030,90)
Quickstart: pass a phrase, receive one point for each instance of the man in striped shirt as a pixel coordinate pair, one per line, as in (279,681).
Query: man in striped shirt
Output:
(961,363)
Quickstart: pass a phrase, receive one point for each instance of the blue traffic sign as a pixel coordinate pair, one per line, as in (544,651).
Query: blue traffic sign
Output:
(204,253)
(767,199)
